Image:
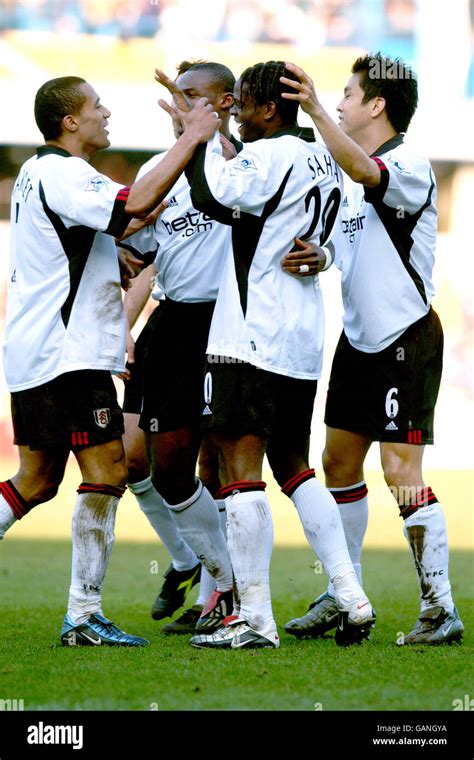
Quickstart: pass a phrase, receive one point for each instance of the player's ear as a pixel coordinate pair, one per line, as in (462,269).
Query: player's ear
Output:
(226,101)
(270,110)
(69,123)
(378,106)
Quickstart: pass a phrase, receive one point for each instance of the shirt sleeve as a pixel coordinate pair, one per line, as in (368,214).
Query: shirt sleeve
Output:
(407,183)
(142,244)
(81,196)
(224,189)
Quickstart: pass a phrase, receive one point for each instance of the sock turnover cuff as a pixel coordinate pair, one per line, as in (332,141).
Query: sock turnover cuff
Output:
(141,486)
(350,494)
(419,497)
(102,488)
(296,481)
(14,499)
(241,486)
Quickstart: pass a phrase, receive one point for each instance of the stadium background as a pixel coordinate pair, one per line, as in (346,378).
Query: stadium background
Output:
(116,44)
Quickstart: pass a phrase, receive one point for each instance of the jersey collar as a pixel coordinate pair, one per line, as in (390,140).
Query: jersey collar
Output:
(46,150)
(388,145)
(304,133)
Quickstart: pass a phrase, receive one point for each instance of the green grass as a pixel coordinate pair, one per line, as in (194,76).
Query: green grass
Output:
(170,675)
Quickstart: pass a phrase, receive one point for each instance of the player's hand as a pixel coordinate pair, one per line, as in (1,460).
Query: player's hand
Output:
(308,255)
(305,92)
(228,149)
(201,123)
(179,98)
(138,224)
(129,267)
(130,351)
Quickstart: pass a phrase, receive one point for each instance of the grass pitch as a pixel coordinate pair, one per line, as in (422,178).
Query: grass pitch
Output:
(170,675)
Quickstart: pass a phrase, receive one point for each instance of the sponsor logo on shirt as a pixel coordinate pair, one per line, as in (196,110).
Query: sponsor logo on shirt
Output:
(102,417)
(188,224)
(96,184)
(353,225)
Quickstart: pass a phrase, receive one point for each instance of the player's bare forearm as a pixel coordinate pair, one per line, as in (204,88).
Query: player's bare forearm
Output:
(138,294)
(351,157)
(200,125)
(150,190)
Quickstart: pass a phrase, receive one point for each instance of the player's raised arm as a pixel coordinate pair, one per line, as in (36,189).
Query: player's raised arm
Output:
(350,156)
(200,125)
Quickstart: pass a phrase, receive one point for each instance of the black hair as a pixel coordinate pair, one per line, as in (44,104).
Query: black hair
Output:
(220,74)
(263,86)
(393,80)
(56,99)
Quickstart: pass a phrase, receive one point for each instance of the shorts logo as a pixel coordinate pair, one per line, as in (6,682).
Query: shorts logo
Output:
(207,392)
(102,417)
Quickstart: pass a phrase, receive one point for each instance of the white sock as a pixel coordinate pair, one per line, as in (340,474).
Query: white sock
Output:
(162,521)
(207,585)
(198,521)
(322,525)
(222,516)
(425,531)
(7,518)
(93,525)
(354,513)
(250,541)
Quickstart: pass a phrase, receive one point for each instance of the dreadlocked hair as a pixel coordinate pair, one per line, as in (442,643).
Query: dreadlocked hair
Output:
(263,86)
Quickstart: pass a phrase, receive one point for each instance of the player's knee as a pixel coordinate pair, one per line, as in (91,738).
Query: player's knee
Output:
(174,487)
(137,466)
(38,492)
(338,468)
(396,471)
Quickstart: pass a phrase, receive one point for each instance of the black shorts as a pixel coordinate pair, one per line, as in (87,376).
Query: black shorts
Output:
(241,399)
(75,410)
(173,367)
(390,395)
(133,393)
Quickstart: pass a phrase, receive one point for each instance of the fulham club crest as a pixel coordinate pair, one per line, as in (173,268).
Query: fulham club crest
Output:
(102,417)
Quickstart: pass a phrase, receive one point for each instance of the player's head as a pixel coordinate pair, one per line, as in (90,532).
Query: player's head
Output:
(258,104)
(206,79)
(69,107)
(382,90)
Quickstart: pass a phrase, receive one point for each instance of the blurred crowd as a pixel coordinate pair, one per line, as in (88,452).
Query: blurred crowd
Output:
(323,22)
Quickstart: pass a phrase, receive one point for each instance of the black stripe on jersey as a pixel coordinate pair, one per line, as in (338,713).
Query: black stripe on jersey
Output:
(77,244)
(201,196)
(246,233)
(246,228)
(399,230)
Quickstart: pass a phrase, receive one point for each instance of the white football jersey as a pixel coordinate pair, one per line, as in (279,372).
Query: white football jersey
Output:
(276,189)
(385,247)
(190,246)
(64,309)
